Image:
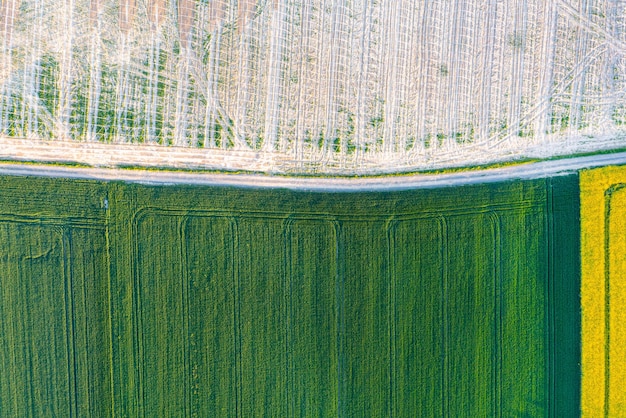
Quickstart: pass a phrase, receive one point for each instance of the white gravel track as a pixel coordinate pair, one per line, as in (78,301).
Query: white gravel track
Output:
(532,170)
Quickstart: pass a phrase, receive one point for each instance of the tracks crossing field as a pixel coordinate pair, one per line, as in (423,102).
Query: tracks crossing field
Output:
(138,300)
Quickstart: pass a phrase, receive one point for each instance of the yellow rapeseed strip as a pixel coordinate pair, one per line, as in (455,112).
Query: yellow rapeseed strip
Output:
(603,293)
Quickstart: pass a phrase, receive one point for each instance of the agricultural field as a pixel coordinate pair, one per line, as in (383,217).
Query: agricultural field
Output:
(135,300)
(603,295)
(358,87)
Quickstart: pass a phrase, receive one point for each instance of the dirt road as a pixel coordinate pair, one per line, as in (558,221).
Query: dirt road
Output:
(333,184)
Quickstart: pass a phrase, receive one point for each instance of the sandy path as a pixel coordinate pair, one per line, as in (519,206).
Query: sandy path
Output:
(334,184)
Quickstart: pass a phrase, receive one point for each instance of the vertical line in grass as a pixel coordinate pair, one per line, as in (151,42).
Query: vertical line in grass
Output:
(25,324)
(184,274)
(288,271)
(137,321)
(107,235)
(549,301)
(235,260)
(495,220)
(445,375)
(339,295)
(69,321)
(391,307)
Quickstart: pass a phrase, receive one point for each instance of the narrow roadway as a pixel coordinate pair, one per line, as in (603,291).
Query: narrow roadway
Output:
(329,184)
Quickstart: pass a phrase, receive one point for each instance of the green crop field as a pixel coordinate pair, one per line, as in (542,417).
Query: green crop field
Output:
(134,300)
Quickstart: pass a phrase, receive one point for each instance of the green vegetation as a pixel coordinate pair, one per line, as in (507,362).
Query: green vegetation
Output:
(55,348)
(132,300)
